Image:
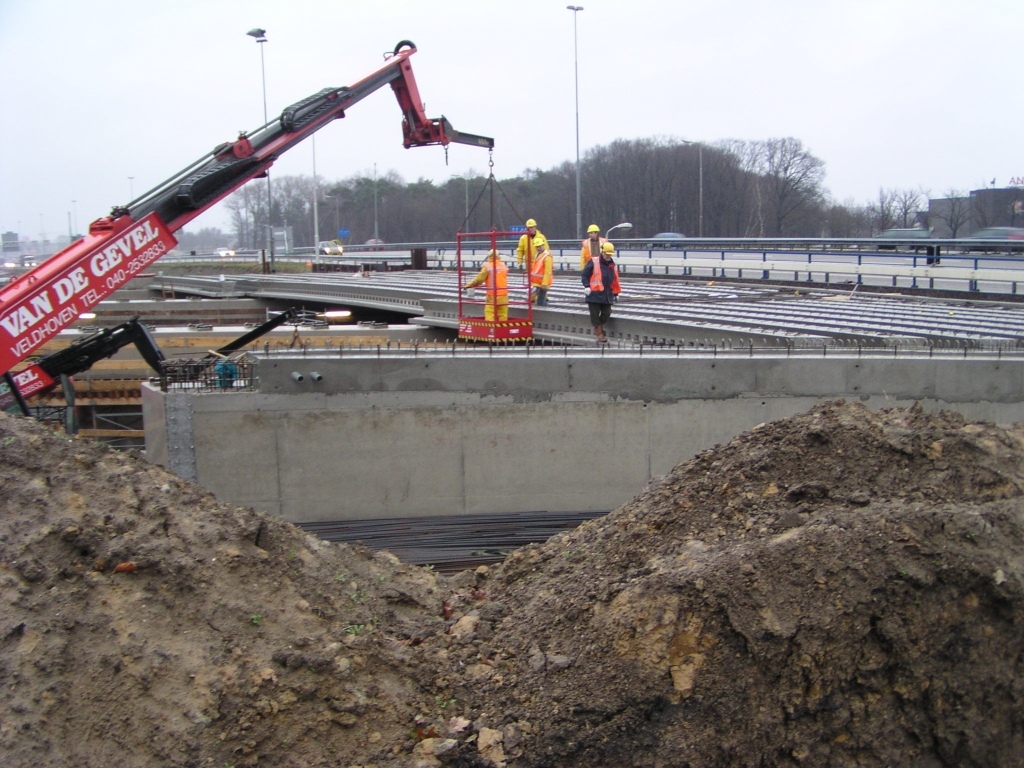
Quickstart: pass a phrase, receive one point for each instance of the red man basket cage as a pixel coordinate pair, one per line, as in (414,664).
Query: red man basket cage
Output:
(473,312)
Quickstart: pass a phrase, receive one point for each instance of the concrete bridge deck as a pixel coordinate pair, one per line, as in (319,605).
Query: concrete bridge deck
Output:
(671,312)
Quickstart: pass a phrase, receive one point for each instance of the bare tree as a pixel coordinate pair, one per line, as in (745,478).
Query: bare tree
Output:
(749,188)
(792,183)
(248,209)
(907,202)
(884,210)
(981,215)
(953,210)
(847,219)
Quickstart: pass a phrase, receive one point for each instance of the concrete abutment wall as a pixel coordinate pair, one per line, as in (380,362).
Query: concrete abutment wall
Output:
(433,435)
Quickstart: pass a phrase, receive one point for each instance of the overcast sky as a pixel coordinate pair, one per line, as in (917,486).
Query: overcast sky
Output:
(889,93)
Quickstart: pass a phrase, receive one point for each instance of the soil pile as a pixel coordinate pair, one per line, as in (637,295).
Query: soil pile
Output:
(840,588)
(145,624)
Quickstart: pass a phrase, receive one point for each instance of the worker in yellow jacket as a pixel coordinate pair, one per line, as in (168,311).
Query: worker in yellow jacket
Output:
(592,245)
(541,277)
(495,274)
(530,244)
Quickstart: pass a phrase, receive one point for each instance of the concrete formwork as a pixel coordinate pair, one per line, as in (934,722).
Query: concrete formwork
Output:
(405,435)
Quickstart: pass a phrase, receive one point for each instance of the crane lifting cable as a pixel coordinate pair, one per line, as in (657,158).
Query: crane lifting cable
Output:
(507,312)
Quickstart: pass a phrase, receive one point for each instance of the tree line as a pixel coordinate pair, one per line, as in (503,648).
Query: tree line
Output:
(766,188)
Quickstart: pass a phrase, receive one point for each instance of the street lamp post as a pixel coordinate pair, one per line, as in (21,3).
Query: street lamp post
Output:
(466,180)
(576,71)
(316,207)
(260,35)
(376,234)
(623,225)
(131,188)
(700,204)
(74,212)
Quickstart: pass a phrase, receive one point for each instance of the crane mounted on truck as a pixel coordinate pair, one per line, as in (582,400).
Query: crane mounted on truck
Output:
(50,297)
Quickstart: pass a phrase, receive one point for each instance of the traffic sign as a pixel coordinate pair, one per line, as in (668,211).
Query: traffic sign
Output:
(343,232)
(517,228)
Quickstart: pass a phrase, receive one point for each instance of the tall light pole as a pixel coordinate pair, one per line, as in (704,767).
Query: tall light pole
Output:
(465,178)
(260,35)
(700,208)
(316,207)
(74,211)
(131,188)
(376,234)
(576,70)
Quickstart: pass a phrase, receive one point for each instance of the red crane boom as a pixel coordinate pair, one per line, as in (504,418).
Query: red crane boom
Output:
(43,301)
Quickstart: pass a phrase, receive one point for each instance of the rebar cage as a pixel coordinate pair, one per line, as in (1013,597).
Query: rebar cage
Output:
(220,375)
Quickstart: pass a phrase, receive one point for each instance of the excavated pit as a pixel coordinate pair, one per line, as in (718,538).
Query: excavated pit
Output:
(841,588)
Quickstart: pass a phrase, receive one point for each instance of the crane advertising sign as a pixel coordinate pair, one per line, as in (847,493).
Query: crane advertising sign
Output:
(36,307)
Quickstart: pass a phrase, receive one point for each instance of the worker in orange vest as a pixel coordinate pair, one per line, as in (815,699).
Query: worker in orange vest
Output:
(540,276)
(592,245)
(494,274)
(530,244)
(601,288)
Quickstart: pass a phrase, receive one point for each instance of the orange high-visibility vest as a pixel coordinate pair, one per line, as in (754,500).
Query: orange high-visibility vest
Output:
(586,255)
(497,280)
(537,272)
(597,284)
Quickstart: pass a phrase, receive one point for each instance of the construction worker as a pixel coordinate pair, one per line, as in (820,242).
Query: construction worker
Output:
(601,288)
(592,245)
(495,274)
(540,276)
(530,244)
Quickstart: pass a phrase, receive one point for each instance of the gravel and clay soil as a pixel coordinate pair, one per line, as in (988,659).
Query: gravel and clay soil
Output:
(841,588)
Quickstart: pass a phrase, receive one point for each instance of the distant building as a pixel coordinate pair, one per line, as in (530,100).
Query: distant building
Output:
(10,242)
(997,208)
(981,208)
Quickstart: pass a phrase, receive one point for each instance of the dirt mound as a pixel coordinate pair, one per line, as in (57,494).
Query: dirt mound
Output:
(145,624)
(840,588)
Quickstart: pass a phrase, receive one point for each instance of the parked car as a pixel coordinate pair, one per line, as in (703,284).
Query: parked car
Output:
(665,240)
(331,248)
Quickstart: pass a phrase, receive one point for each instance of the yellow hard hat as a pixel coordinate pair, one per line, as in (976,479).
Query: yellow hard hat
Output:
(531,223)
(593,228)
(492,253)
(607,248)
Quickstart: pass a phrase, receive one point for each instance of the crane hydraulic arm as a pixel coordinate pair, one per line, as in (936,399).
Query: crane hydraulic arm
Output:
(44,374)
(50,297)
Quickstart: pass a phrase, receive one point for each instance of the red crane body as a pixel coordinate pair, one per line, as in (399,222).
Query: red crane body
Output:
(47,299)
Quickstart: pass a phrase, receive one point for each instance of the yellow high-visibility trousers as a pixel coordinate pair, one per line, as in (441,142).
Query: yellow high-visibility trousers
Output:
(489,311)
